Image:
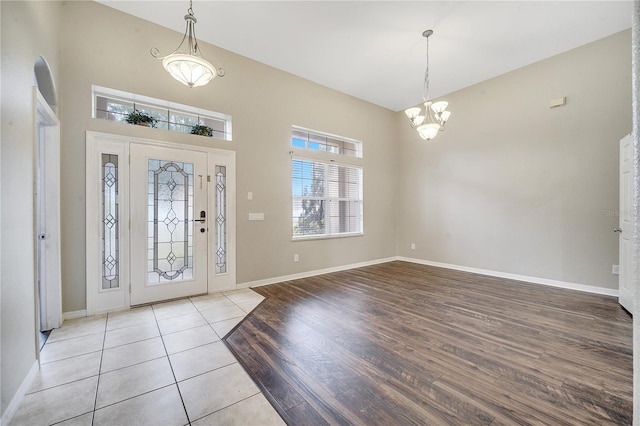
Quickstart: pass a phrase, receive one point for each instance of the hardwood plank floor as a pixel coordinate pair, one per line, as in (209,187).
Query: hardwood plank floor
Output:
(401,343)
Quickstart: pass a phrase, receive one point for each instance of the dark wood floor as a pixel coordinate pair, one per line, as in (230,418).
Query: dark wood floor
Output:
(400,343)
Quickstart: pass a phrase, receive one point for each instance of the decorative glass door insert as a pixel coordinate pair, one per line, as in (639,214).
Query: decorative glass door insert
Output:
(221,219)
(110,223)
(170,210)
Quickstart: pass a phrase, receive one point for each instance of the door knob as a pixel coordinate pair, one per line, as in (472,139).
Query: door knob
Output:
(617,230)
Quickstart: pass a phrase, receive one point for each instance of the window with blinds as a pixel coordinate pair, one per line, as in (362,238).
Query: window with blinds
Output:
(327,199)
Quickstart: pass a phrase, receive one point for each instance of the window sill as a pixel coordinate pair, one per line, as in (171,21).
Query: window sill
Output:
(327,237)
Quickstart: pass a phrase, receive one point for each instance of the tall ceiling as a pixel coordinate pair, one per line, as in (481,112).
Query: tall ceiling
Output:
(374,50)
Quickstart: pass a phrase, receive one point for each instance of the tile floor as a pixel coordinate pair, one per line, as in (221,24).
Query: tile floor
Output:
(156,365)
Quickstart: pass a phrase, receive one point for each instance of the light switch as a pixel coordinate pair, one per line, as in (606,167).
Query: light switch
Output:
(250,196)
(256,216)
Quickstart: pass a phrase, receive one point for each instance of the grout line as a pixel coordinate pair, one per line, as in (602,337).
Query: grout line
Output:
(129,343)
(54,341)
(209,371)
(69,357)
(197,346)
(230,405)
(184,407)
(135,396)
(62,384)
(95,400)
(74,417)
(130,365)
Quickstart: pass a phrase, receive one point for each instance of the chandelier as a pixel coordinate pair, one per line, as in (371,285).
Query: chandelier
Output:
(189,68)
(435,113)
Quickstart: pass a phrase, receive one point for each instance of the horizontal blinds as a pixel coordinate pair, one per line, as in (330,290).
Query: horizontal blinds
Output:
(327,198)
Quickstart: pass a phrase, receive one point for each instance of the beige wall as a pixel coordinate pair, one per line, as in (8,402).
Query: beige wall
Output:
(514,186)
(264,102)
(29,29)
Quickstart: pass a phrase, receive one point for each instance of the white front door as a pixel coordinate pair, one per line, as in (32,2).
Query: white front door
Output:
(625,289)
(169,223)
(146,237)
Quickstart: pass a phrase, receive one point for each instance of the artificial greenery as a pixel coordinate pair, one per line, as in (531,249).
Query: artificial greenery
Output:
(202,130)
(137,117)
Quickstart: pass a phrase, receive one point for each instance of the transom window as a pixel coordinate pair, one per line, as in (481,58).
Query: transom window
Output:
(317,141)
(115,105)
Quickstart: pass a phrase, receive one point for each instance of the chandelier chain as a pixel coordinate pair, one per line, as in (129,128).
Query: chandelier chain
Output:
(425,89)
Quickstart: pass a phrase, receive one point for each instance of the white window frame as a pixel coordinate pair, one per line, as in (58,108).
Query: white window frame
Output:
(329,143)
(328,200)
(327,159)
(171,107)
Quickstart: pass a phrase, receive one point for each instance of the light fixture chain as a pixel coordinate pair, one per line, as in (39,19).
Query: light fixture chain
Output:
(425,89)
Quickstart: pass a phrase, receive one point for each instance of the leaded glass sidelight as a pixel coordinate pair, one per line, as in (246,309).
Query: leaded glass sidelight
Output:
(170,212)
(221,219)
(110,240)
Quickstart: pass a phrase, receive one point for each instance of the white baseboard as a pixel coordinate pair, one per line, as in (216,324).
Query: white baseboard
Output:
(74,314)
(535,280)
(19,395)
(308,274)
(544,281)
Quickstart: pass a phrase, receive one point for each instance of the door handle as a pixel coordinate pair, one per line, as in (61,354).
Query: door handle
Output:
(617,230)
(203,216)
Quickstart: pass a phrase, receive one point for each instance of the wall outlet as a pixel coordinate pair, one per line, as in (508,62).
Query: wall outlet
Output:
(296,258)
(413,246)
(615,269)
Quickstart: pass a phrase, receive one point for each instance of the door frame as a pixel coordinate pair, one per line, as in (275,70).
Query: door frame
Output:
(97,143)
(48,272)
(625,226)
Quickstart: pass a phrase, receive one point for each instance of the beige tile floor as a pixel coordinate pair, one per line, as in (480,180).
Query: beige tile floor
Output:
(157,365)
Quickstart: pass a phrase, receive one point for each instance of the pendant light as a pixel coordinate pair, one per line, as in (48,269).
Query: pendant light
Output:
(189,68)
(436,115)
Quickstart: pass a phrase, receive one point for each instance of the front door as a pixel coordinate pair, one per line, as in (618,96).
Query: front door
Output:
(169,229)
(160,221)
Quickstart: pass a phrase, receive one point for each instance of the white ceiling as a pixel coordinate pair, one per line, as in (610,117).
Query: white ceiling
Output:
(374,50)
